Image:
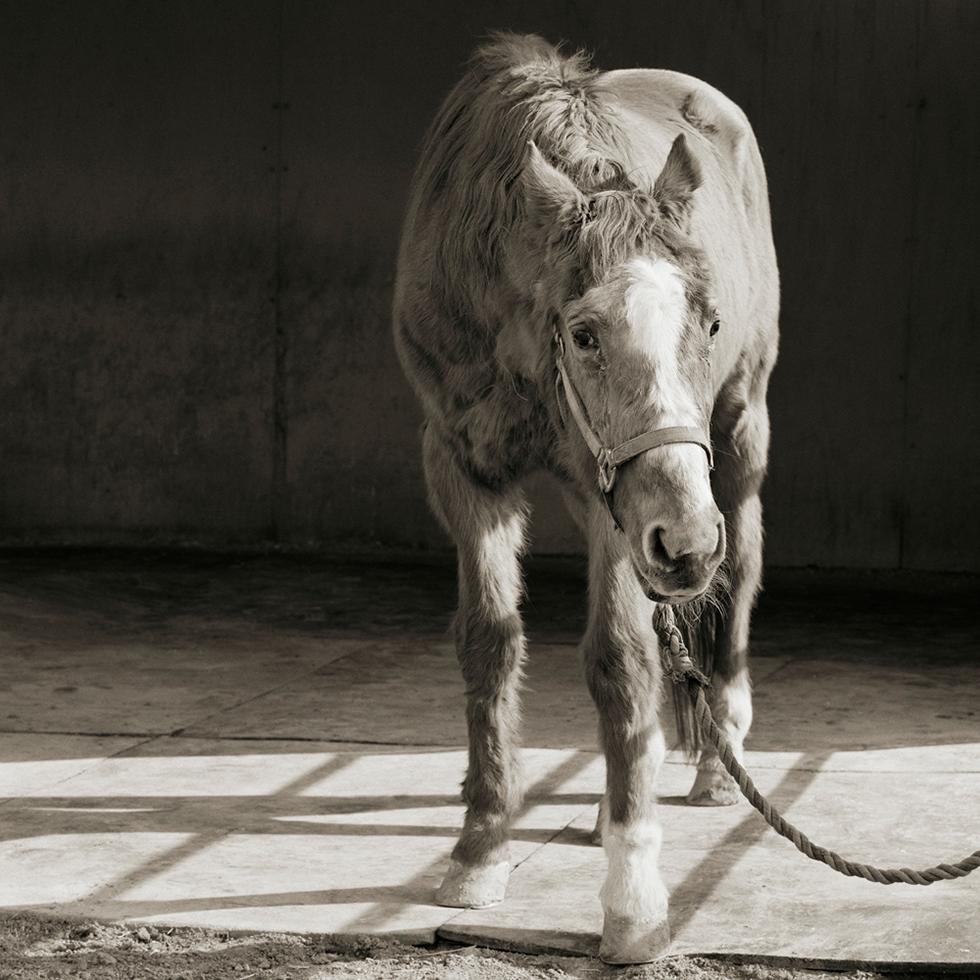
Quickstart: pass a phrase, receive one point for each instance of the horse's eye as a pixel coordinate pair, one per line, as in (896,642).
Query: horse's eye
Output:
(584,339)
(715,326)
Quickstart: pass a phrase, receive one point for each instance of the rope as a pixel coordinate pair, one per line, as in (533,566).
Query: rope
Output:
(679,666)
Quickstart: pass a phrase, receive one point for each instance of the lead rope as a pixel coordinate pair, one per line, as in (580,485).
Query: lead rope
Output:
(678,665)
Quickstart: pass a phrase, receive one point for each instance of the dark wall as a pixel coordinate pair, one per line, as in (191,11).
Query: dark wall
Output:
(199,205)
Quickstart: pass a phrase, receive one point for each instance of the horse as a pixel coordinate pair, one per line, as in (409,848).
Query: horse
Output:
(587,285)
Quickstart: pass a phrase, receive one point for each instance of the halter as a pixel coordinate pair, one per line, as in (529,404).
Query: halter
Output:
(609,460)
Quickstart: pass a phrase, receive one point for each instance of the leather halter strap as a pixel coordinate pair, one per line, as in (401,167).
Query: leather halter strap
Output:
(609,460)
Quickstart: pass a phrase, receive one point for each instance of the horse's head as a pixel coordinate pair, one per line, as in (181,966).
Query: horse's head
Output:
(628,300)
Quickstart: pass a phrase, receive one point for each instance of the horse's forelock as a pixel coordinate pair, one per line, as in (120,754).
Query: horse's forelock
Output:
(618,231)
(622,225)
(519,89)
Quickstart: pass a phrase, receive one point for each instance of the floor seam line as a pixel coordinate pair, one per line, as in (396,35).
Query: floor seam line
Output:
(554,836)
(181,733)
(770,675)
(241,704)
(271,690)
(97,762)
(520,863)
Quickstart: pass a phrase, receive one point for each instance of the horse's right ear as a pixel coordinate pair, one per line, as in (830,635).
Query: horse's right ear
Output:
(677,182)
(550,194)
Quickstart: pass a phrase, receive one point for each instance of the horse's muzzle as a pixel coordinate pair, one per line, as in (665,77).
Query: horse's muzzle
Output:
(681,561)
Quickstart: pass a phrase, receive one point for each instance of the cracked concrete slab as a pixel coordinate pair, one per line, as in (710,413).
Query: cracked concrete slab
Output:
(410,692)
(31,762)
(323,841)
(738,889)
(248,768)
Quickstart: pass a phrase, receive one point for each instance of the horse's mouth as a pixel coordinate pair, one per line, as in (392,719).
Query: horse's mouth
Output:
(680,598)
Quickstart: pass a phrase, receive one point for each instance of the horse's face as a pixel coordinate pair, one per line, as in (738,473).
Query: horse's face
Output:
(638,326)
(637,352)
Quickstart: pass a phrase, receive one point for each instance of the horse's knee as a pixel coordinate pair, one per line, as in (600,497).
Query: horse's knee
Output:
(491,654)
(655,751)
(488,642)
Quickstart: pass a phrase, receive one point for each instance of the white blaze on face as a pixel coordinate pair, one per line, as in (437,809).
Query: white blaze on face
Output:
(656,306)
(655,309)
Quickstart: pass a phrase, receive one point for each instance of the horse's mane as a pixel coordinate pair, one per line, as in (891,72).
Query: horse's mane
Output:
(515,89)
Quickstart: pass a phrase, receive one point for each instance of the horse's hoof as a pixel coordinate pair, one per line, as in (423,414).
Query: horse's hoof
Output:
(473,887)
(713,788)
(627,940)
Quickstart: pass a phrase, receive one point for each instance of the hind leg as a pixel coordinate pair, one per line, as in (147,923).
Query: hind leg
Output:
(488,528)
(740,467)
(730,695)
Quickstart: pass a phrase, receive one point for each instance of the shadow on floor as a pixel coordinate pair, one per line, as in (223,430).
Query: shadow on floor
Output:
(182,736)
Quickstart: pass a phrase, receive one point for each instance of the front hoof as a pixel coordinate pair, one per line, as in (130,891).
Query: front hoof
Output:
(473,887)
(713,788)
(627,940)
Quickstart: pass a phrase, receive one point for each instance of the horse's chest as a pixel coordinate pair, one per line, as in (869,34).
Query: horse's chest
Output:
(503,431)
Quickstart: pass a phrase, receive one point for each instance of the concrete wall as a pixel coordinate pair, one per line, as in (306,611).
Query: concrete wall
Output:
(199,205)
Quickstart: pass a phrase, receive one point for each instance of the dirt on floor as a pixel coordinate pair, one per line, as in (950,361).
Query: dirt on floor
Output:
(34,948)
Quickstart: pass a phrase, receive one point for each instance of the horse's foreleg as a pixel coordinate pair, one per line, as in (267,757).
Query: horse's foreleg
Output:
(623,677)
(740,469)
(488,528)
(578,509)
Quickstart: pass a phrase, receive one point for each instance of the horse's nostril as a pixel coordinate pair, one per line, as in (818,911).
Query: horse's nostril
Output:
(719,539)
(658,550)
(673,545)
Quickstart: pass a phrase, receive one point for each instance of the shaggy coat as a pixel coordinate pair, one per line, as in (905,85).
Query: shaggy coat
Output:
(626,213)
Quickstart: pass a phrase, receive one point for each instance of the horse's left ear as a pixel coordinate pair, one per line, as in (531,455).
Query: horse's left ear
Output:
(677,182)
(550,194)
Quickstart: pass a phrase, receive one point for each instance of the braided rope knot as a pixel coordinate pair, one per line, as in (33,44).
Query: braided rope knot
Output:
(674,656)
(680,668)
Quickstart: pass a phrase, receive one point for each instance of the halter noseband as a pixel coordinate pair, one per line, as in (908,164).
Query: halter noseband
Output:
(609,460)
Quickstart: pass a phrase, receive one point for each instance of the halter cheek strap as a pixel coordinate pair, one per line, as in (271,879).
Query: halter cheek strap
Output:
(609,460)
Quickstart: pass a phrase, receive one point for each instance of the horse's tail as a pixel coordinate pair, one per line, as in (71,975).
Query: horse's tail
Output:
(699,634)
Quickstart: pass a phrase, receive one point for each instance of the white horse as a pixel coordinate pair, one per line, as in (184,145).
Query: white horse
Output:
(587,284)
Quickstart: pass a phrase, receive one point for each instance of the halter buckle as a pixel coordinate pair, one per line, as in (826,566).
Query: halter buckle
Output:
(607,471)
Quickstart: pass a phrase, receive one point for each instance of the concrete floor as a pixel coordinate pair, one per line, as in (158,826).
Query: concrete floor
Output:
(275,744)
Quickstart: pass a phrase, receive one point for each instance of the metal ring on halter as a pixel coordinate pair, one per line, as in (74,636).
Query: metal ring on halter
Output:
(607,472)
